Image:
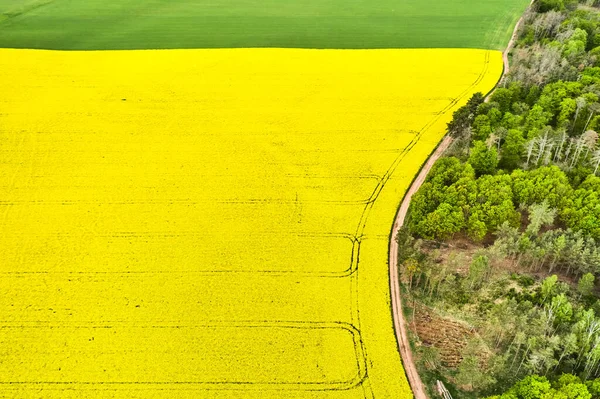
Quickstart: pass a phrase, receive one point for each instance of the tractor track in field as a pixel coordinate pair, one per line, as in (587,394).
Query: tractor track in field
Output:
(418,389)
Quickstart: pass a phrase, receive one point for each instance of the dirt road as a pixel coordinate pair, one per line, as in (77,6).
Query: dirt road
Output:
(512,41)
(399,323)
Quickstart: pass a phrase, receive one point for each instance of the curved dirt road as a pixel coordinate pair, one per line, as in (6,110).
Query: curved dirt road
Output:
(509,47)
(399,323)
(511,43)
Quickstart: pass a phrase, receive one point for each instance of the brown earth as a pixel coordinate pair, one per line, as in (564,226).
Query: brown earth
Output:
(448,336)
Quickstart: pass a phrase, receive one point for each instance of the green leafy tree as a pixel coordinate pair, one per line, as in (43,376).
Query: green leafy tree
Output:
(495,117)
(532,387)
(536,120)
(449,170)
(547,183)
(511,121)
(438,209)
(550,5)
(567,110)
(442,223)
(558,248)
(568,347)
(513,147)
(494,201)
(561,309)
(463,117)
(537,387)
(483,159)
(478,271)
(482,127)
(573,391)
(553,95)
(462,194)
(476,228)
(585,286)
(549,287)
(574,49)
(504,98)
(540,215)
(566,379)
(593,387)
(423,202)
(582,212)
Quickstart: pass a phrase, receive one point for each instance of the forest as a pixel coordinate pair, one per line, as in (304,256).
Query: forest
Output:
(501,247)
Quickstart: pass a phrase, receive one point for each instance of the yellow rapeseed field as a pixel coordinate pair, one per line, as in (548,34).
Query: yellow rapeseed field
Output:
(211,223)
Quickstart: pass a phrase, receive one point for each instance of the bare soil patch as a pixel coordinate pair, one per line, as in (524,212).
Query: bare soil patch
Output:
(448,336)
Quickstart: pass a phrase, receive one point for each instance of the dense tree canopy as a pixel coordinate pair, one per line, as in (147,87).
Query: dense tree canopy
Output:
(567,386)
(520,181)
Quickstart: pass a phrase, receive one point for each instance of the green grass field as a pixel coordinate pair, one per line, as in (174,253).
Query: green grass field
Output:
(136,24)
